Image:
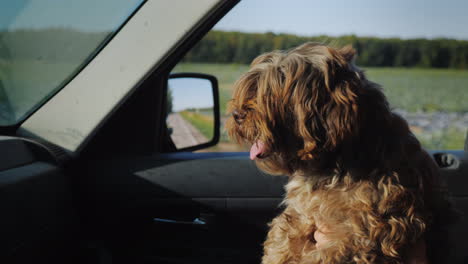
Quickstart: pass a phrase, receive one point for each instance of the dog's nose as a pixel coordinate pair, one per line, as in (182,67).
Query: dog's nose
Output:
(238,116)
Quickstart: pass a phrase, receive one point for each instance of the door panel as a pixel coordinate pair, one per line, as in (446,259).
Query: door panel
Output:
(151,206)
(153,201)
(456,176)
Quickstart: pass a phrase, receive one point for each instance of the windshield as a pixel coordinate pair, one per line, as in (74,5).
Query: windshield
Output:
(44,44)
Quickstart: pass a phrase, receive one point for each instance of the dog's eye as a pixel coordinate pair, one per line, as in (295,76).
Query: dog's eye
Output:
(238,116)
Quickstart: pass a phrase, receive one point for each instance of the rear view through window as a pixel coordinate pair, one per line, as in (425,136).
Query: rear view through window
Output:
(44,44)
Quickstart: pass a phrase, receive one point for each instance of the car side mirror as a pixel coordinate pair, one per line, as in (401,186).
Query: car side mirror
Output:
(192,118)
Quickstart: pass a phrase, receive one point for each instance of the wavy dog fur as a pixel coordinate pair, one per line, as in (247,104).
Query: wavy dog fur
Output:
(354,166)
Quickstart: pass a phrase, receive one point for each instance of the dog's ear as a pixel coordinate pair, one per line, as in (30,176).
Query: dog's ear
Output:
(325,129)
(329,108)
(341,113)
(348,52)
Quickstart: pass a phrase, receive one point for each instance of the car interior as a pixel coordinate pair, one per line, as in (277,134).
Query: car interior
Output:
(131,196)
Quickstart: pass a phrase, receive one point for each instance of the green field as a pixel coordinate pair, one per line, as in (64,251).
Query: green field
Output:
(203,123)
(410,89)
(423,89)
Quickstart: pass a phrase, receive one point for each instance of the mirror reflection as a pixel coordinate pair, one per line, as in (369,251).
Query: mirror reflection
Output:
(190,104)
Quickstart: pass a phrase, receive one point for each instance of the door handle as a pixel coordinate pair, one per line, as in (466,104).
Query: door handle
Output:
(446,160)
(196,222)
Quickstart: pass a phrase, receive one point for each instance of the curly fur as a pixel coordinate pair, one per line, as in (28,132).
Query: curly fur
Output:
(354,166)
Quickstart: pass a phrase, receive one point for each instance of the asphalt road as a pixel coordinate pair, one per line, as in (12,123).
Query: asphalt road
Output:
(184,134)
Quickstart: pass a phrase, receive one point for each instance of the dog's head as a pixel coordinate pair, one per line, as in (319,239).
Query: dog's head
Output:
(297,108)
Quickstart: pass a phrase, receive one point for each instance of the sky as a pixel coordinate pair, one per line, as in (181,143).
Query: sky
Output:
(85,15)
(381,18)
(190,93)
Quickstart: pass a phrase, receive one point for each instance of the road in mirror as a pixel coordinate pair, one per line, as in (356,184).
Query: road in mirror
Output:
(190,118)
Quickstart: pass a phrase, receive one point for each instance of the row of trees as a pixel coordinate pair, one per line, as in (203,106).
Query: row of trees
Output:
(239,47)
(63,44)
(49,45)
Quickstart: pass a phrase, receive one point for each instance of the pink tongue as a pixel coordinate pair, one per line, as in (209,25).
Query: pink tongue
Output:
(256,149)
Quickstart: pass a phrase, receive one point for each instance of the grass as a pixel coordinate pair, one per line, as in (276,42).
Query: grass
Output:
(450,138)
(411,89)
(423,89)
(203,123)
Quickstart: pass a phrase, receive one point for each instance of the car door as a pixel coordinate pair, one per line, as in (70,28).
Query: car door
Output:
(216,206)
(188,207)
(454,169)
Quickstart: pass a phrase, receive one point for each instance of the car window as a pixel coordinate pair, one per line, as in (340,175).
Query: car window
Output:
(43,44)
(418,52)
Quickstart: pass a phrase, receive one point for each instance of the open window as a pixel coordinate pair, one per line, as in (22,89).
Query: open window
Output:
(422,68)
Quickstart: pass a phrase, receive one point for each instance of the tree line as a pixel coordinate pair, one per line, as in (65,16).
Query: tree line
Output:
(242,48)
(66,44)
(49,44)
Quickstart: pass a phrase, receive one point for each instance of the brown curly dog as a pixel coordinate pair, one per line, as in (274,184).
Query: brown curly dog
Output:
(361,188)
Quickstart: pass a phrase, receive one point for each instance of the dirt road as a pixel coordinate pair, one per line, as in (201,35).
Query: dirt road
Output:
(184,134)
